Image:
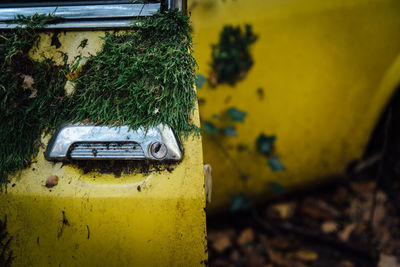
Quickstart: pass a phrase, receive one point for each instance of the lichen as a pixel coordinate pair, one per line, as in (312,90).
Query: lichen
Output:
(142,77)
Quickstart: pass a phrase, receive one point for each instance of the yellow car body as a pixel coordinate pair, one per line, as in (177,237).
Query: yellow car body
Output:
(327,70)
(94,219)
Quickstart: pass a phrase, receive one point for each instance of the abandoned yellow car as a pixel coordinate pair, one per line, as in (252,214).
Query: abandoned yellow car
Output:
(101,158)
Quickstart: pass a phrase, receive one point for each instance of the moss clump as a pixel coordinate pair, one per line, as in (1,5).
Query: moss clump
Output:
(143,77)
(231,58)
(31,95)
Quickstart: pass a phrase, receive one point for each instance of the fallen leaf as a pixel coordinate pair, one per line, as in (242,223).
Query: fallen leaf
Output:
(363,188)
(255,260)
(329,227)
(69,88)
(51,181)
(346,263)
(388,261)
(280,243)
(220,240)
(284,210)
(379,215)
(342,196)
(319,209)
(346,232)
(27,82)
(276,257)
(246,237)
(306,255)
(235,256)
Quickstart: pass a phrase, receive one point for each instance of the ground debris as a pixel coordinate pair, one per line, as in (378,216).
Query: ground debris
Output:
(335,226)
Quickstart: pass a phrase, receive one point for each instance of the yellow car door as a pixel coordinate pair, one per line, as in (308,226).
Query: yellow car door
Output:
(309,81)
(94,193)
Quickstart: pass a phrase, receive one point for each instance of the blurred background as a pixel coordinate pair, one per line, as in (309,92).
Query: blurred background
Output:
(300,113)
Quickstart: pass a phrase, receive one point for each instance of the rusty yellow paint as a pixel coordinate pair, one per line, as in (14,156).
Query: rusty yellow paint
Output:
(327,69)
(135,220)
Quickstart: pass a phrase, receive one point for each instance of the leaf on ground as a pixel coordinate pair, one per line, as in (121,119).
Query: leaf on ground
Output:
(209,127)
(240,203)
(246,237)
(363,188)
(275,164)
(329,227)
(280,243)
(200,80)
(236,115)
(380,211)
(344,235)
(28,84)
(255,259)
(306,255)
(220,240)
(276,257)
(346,263)
(229,131)
(265,143)
(388,261)
(284,210)
(277,188)
(319,209)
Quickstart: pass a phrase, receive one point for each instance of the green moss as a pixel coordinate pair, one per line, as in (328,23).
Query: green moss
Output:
(231,58)
(143,77)
(26,109)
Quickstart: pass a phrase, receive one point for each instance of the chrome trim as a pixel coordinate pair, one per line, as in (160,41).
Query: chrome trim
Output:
(175,4)
(83,16)
(80,24)
(66,138)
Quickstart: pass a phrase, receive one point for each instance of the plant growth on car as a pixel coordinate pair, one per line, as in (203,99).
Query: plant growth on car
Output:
(141,77)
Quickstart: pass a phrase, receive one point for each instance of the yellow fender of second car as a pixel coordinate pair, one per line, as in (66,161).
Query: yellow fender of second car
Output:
(327,70)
